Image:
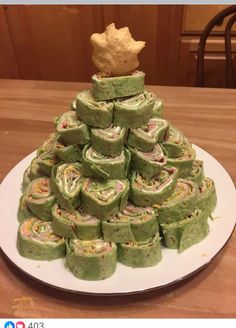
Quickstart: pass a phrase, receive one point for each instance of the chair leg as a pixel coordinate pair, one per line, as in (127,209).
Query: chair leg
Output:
(229,71)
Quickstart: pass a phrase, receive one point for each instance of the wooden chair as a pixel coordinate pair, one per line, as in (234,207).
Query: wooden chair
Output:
(217,20)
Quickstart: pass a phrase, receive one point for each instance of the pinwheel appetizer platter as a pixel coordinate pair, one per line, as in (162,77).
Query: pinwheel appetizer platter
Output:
(115,185)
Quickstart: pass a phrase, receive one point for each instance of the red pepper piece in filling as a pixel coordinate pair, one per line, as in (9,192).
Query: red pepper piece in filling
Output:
(64,125)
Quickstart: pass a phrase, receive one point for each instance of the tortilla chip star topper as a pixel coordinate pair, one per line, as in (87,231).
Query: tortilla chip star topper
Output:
(115,52)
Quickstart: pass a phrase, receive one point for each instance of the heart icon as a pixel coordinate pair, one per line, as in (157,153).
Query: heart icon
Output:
(20,324)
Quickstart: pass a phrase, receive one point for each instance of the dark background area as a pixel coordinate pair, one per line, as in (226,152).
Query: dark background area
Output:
(52,42)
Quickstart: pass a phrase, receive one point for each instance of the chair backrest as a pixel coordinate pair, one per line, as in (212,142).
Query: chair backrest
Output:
(217,20)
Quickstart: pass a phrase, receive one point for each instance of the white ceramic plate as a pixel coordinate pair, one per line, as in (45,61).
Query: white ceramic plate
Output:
(173,266)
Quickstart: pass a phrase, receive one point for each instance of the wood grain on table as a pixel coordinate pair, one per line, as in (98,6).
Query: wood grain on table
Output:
(207,117)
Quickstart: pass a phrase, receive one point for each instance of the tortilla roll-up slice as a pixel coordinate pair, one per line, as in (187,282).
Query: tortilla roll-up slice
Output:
(133,223)
(71,129)
(145,137)
(148,163)
(132,112)
(97,165)
(186,232)
(91,259)
(46,161)
(197,173)
(107,88)
(180,203)
(108,141)
(104,198)
(184,163)
(173,142)
(158,108)
(142,254)
(66,183)
(67,153)
(48,144)
(26,179)
(145,192)
(40,199)
(23,211)
(75,224)
(207,197)
(35,171)
(95,113)
(37,241)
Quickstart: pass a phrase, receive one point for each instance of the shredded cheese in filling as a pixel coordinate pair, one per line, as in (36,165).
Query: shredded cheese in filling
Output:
(90,247)
(39,231)
(40,188)
(182,190)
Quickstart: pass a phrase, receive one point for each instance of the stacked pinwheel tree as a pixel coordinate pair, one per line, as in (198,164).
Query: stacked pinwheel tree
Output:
(115,183)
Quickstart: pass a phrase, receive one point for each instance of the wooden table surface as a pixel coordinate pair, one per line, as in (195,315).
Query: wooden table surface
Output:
(207,117)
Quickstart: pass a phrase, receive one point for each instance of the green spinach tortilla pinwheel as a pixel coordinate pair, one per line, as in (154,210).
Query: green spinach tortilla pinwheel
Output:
(68,153)
(133,223)
(108,141)
(105,88)
(187,232)
(26,179)
(36,240)
(180,203)
(184,163)
(148,163)
(197,173)
(48,144)
(145,137)
(145,192)
(173,142)
(46,161)
(95,113)
(75,224)
(66,183)
(97,165)
(40,199)
(157,108)
(140,254)
(71,129)
(132,112)
(35,171)
(23,211)
(207,196)
(104,198)
(91,259)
